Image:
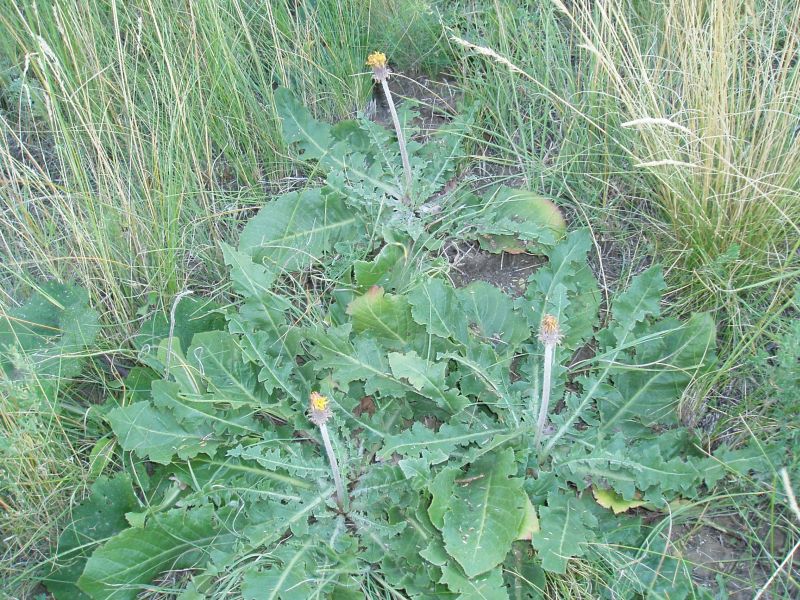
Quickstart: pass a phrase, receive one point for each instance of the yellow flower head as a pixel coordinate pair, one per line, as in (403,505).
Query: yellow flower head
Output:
(319,410)
(380,68)
(318,401)
(550,332)
(376,60)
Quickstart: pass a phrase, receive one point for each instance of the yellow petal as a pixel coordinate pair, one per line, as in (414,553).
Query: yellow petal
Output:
(376,59)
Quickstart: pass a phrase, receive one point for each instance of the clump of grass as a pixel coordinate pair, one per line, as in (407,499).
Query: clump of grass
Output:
(688,124)
(140,134)
(411,33)
(527,93)
(42,472)
(708,95)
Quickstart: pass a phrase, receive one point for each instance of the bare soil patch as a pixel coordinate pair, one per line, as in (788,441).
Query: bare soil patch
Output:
(509,272)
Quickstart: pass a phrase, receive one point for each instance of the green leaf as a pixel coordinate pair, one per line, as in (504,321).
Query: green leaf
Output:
(275,355)
(177,539)
(335,149)
(567,289)
(419,439)
(655,572)
(759,459)
(485,514)
(156,434)
(51,330)
(402,566)
(517,221)
(492,316)
(565,531)
(295,230)
(530,523)
(270,517)
(440,155)
(381,270)
(385,317)
(658,477)
(192,315)
(435,304)
(441,489)
(98,518)
(288,579)
(651,382)
(362,359)
(188,377)
(629,469)
(284,457)
(218,358)
(313,138)
(640,300)
(488,586)
(382,486)
(202,412)
(349,361)
(524,578)
(250,279)
(427,378)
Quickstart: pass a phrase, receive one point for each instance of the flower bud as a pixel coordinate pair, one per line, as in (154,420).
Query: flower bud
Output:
(549,332)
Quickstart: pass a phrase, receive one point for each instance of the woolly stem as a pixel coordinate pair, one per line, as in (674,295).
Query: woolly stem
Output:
(337,478)
(401,140)
(549,353)
(172,329)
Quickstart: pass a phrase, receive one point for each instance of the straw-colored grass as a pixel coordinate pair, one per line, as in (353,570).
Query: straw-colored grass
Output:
(709,94)
(159,132)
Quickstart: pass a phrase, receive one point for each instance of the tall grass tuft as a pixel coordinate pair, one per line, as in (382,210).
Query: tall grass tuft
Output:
(43,444)
(708,96)
(686,113)
(141,130)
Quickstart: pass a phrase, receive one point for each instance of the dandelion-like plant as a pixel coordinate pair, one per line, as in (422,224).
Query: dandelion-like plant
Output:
(550,335)
(319,412)
(380,73)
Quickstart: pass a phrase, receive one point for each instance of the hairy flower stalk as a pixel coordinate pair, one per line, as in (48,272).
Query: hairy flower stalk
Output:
(319,412)
(550,336)
(380,73)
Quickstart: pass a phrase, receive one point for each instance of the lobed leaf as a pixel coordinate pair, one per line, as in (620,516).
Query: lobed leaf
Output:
(566,528)
(631,307)
(294,231)
(428,378)
(437,306)
(95,520)
(177,539)
(485,513)
(567,289)
(51,330)
(650,383)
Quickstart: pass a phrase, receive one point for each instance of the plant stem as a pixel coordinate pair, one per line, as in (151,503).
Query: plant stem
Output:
(401,140)
(337,478)
(172,329)
(549,352)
